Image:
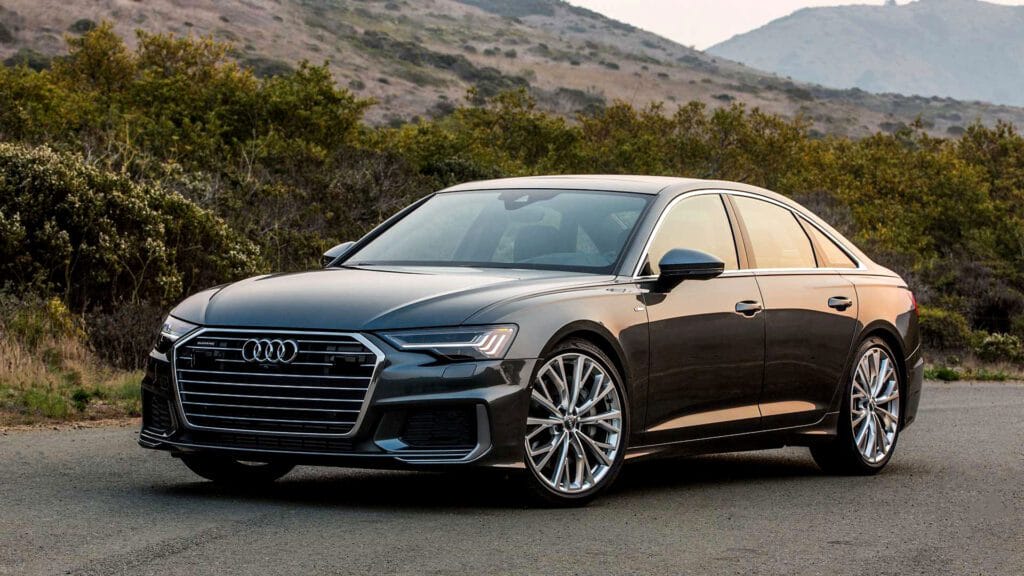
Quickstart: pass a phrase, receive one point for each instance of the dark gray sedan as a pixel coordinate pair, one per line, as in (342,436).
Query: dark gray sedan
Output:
(558,325)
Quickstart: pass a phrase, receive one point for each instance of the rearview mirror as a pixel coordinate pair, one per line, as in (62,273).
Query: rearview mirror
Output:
(683,264)
(335,253)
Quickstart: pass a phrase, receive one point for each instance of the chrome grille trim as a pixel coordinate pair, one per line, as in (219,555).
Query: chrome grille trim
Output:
(196,387)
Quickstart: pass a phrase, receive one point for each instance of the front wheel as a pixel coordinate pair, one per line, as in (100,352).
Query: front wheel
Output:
(577,424)
(236,473)
(869,421)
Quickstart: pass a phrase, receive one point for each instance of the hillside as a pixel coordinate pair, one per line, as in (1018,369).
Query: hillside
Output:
(964,49)
(418,58)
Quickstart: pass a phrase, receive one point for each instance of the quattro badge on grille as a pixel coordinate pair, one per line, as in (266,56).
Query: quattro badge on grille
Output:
(270,351)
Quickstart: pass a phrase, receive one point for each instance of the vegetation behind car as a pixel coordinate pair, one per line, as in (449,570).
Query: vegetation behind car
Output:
(129,178)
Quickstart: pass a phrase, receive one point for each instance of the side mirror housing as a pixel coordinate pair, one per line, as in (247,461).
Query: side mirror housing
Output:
(684,264)
(335,253)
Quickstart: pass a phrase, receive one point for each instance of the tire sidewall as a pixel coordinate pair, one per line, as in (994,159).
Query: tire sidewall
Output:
(846,433)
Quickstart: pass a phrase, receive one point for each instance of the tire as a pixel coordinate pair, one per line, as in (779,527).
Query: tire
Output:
(874,389)
(574,447)
(231,472)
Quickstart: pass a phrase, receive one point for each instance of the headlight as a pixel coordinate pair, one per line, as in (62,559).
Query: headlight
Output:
(461,343)
(171,330)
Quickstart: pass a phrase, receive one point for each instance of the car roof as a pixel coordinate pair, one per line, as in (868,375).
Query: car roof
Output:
(611,182)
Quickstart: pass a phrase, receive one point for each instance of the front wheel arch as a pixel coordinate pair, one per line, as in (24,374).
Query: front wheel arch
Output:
(597,335)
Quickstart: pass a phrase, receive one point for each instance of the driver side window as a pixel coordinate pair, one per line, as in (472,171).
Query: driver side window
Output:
(697,223)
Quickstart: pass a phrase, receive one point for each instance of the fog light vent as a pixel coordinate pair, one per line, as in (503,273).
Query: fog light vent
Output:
(440,428)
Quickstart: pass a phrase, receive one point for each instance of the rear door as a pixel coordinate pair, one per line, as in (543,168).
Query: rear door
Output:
(810,312)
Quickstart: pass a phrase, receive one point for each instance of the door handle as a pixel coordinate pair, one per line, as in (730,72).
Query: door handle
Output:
(840,303)
(749,308)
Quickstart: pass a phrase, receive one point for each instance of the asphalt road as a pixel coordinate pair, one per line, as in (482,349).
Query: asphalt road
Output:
(950,502)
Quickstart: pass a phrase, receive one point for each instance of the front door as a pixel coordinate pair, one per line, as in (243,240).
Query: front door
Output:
(707,354)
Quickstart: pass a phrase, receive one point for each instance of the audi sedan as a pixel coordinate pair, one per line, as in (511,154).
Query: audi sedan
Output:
(554,326)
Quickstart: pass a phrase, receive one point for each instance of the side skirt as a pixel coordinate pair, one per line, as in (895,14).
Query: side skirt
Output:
(820,432)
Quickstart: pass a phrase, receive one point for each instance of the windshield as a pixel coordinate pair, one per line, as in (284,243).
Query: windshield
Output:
(540,229)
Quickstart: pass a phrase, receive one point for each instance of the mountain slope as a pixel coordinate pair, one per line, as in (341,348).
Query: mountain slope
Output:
(964,49)
(418,57)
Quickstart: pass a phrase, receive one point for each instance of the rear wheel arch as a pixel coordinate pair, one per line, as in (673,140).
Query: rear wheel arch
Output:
(888,334)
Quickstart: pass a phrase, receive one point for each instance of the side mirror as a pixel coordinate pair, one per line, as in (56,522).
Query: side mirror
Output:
(682,264)
(335,253)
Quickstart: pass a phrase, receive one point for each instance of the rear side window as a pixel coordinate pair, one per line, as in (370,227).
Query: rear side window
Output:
(776,238)
(697,223)
(830,254)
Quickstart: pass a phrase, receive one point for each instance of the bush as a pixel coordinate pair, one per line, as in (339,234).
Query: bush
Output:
(33,59)
(81,26)
(944,373)
(1001,348)
(943,330)
(32,321)
(97,238)
(1017,326)
(123,336)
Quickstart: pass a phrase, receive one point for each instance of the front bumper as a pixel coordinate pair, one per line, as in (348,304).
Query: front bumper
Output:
(419,413)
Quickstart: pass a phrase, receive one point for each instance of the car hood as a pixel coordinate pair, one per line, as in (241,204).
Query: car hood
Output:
(369,299)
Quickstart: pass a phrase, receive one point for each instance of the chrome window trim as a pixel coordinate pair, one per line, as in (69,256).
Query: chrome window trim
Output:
(744,271)
(374,378)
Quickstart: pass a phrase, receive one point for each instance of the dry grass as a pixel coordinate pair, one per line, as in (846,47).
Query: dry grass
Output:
(970,367)
(47,374)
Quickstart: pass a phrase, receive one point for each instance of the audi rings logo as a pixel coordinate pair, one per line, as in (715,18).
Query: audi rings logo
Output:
(270,351)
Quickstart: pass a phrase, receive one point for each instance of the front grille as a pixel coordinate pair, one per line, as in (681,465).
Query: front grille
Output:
(319,391)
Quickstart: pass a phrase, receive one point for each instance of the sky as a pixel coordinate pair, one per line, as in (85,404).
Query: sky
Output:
(704,23)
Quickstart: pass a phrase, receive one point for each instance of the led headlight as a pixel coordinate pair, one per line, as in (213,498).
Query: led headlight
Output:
(171,330)
(461,343)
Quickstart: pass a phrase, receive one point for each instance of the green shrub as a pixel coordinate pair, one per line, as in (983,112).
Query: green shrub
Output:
(989,375)
(33,59)
(123,336)
(1001,348)
(82,25)
(944,373)
(97,237)
(943,329)
(1017,326)
(45,403)
(31,320)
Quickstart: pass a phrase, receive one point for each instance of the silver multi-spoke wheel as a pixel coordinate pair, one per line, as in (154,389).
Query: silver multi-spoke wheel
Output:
(574,428)
(875,405)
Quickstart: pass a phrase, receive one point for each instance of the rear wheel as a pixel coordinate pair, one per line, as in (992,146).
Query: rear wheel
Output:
(576,429)
(231,472)
(869,421)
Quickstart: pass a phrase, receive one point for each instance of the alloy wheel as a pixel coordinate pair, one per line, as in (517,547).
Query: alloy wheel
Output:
(875,405)
(574,429)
